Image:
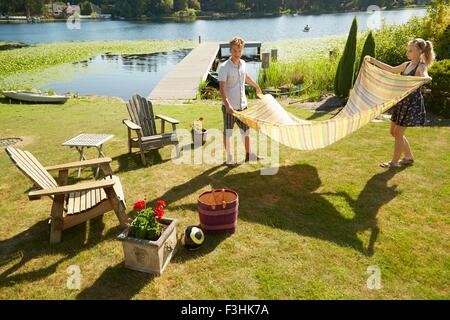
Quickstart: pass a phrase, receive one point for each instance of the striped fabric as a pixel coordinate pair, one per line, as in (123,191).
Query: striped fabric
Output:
(375,91)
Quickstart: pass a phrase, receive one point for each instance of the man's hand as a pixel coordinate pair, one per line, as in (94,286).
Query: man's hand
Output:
(230,109)
(258,90)
(251,82)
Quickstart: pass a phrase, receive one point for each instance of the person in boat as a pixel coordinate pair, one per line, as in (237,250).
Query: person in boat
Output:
(306,28)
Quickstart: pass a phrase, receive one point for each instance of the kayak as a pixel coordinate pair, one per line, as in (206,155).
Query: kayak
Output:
(33,96)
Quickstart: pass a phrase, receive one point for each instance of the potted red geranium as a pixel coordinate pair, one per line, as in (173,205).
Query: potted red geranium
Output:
(151,240)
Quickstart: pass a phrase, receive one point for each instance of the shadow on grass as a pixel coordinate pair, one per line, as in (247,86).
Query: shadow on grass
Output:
(4,100)
(332,105)
(375,194)
(117,282)
(289,201)
(132,161)
(33,243)
(212,241)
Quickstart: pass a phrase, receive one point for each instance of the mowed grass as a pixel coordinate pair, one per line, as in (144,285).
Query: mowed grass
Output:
(308,232)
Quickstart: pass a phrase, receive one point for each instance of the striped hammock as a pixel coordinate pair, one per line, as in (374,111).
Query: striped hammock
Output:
(375,91)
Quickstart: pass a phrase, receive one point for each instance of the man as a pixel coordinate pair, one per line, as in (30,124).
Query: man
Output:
(232,78)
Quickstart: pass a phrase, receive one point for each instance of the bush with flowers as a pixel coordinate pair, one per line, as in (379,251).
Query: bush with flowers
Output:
(147,223)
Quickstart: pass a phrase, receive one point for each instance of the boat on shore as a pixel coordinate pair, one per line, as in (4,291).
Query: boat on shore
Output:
(284,91)
(34,96)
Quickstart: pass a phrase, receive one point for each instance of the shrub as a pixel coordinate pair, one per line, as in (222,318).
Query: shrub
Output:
(207,92)
(391,41)
(185,15)
(437,102)
(436,27)
(440,72)
(316,74)
(194,4)
(86,9)
(442,44)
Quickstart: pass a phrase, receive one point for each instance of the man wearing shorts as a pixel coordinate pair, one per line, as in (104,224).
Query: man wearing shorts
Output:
(232,78)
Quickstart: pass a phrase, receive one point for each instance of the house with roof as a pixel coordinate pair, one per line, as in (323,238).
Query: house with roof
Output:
(73,8)
(55,8)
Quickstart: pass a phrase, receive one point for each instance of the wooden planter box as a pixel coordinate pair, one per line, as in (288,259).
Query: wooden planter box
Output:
(150,256)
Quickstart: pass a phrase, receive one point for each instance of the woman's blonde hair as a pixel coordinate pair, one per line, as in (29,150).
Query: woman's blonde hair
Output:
(428,55)
(237,41)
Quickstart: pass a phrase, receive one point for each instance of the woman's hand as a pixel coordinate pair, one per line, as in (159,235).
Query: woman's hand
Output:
(369,59)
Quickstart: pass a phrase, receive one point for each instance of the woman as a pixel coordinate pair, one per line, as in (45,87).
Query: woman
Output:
(410,112)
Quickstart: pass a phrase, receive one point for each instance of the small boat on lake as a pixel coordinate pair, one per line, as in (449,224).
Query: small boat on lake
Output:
(34,96)
(306,28)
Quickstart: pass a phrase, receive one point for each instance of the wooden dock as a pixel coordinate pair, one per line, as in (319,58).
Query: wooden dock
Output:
(183,80)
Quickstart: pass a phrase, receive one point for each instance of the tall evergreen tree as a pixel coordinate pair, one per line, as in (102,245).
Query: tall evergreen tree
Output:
(368,50)
(337,88)
(179,5)
(347,63)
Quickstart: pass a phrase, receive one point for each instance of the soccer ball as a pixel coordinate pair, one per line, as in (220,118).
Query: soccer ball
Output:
(193,238)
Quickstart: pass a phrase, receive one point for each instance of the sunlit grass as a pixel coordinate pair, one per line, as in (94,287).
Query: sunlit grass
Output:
(303,233)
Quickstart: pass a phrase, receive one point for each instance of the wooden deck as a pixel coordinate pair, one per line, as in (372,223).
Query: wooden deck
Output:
(183,80)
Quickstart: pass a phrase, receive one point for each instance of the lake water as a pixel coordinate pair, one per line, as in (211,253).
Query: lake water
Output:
(118,75)
(252,29)
(122,75)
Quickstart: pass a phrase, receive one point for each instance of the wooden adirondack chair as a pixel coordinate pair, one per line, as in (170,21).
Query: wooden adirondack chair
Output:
(143,123)
(72,204)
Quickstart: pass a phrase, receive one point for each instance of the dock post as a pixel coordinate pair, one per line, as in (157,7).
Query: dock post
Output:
(265,60)
(274,54)
(265,64)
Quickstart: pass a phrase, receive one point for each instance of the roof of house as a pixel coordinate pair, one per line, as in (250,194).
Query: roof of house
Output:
(73,8)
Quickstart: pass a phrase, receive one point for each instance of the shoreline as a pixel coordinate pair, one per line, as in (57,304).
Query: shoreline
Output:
(209,15)
(27,67)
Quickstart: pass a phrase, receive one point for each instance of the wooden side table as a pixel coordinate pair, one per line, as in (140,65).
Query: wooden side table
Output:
(87,140)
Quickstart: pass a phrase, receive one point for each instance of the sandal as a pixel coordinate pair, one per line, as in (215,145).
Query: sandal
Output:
(253,158)
(406,161)
(390,165)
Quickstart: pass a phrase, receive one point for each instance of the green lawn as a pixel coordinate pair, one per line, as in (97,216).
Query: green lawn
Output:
(311,231)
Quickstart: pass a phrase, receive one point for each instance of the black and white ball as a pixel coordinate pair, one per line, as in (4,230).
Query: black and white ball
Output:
(193,238)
